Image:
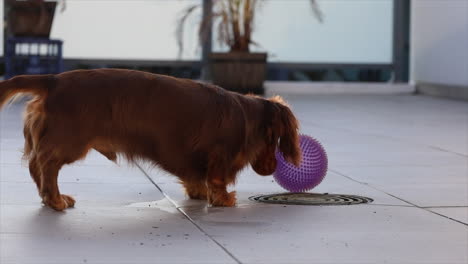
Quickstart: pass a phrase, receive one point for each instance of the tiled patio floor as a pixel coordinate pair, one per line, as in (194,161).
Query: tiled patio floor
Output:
(408,153)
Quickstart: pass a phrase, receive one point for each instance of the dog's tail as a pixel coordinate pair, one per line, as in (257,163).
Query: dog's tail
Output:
(37,85)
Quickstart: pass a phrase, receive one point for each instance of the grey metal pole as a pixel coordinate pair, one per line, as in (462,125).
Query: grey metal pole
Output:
(206,42)
(401,39)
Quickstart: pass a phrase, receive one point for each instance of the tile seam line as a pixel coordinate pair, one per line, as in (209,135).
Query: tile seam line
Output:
(442,206)
(403,200)
(180,209)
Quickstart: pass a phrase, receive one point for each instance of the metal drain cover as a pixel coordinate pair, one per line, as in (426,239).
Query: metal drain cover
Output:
(311,199)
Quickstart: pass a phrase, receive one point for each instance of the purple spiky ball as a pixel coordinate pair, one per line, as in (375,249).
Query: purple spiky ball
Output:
(310,172)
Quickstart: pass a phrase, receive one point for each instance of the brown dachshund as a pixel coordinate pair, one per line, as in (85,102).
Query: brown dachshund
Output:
(199,132)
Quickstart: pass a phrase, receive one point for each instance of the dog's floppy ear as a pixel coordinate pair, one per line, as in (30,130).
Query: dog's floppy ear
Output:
(280,131)
(285,126)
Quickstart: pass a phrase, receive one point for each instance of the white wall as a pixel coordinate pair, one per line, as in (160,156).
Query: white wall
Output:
(355,31)
(439,37)
(116,29)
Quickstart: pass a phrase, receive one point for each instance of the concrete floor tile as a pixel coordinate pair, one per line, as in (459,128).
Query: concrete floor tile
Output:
(31,234)
(12,144)
(11,157)
(429,159)
(85,194)
(92,159)
(428,195)
(334,234)
(389,148)
(457,213)
(112,173)
(420,185)
(250,184)
(412,119)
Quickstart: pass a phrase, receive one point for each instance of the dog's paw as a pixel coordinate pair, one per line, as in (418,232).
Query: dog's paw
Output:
(196,190)
(226,200)
(59,204)
(198,196)
(69,200)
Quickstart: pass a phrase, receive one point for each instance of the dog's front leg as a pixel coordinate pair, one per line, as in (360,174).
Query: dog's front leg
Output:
(195,189)
(217,182)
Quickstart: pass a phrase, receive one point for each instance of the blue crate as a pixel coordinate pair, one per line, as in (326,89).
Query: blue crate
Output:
(33,56)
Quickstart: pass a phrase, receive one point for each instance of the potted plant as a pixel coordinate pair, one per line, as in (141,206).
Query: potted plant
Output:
(31,18)
(239,69)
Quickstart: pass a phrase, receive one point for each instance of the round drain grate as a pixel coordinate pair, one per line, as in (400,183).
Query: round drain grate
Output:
(311,199)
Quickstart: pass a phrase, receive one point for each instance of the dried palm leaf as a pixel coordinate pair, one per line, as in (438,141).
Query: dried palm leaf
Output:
(233,21)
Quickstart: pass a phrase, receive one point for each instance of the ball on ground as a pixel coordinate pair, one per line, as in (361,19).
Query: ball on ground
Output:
(310,172)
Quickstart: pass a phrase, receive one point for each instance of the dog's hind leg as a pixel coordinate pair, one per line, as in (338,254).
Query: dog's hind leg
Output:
(49,188)
(50,158)
(34,171)
(33,125)
(30,155)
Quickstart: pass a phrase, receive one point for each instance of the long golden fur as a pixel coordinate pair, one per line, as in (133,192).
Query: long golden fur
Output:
(201,133)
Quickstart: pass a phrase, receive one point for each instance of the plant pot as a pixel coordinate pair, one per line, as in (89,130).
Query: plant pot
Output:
(240,72)
(30,18)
